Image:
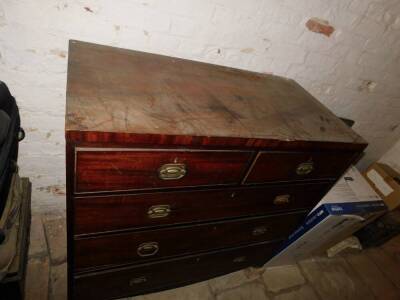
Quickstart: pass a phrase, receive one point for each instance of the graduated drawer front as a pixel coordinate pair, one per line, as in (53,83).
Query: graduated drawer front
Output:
(120,169)
(141,246)
(289,166)
(108,213)
(130,281)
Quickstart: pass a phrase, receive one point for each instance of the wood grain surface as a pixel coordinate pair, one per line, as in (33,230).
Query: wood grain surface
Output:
(241,137)
(123,248)
(130,281)
(106,170)
(117,90)
(123,212)
(282,166)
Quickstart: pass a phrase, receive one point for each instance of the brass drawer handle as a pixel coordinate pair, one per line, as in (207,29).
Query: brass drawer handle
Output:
(305,168)
(137,280)
(159,211)
(259,230)
(172,171)
(147,249)
(282,199)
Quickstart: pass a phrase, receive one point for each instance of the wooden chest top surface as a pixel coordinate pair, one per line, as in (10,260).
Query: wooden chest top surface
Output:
(116,90)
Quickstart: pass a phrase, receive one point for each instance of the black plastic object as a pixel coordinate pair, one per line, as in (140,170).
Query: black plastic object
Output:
(10,139)
(4,126)
(380,231)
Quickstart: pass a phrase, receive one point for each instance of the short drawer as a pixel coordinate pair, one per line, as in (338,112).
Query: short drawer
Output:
(141,246)
(130,281)
(94,214)
(287,166)
(119,170)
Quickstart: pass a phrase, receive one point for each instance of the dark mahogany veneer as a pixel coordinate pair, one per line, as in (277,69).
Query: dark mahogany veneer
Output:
(123,248)
(130,211)
(180,171)
(118,170)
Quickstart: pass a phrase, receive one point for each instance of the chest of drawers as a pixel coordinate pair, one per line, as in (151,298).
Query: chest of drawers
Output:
(179,171)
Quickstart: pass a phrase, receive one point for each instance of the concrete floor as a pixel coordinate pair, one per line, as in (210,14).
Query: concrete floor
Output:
(370,274)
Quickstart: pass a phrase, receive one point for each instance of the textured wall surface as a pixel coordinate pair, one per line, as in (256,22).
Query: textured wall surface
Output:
(392,157)
(347,56)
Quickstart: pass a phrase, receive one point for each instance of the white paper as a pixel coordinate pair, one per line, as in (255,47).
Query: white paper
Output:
(341,192)
(351,187)
(379,182)
(360,186)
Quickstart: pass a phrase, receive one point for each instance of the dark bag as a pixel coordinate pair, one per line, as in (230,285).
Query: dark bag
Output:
(10,134)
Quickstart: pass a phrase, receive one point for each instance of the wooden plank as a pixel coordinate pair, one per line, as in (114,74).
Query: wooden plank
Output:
(381,287)
(387,264)
(117,90)
(333,278)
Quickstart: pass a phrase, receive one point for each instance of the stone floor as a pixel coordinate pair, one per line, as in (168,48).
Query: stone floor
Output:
(370,274)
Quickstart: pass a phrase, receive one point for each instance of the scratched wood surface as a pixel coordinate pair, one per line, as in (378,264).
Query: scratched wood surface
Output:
(118,90)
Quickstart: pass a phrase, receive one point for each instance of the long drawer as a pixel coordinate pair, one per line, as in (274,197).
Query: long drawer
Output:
(107,213)
(130,281)
(141,246)
(99,170)
(288,166)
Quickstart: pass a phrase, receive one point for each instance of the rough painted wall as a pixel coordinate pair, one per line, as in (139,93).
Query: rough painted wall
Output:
(349,59)
(392,157)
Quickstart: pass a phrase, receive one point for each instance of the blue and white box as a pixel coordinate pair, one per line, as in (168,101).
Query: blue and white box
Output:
(348,206)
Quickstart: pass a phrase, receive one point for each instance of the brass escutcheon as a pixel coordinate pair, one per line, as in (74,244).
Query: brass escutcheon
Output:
(172,171)
(259,230)
(137,280)
(282,199)
(147,249)
(159,211)
(305,168)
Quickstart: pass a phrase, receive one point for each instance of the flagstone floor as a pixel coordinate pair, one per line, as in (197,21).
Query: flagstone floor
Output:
(369,274)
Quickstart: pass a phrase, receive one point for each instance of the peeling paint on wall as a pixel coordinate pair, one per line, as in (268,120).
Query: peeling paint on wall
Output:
(88,9)
(367,85)
(57,190)
(320,26)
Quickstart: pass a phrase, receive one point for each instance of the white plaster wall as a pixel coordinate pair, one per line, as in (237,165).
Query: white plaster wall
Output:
(392,157)
(259,35)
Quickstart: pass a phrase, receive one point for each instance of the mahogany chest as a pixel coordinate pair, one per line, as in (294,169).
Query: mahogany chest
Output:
(179,171)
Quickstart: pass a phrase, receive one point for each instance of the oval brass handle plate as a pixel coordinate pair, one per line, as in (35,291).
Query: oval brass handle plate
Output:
(159,211)
(147,249)
(305,168)
(137,280)
(282,199)
(259,230)
(172,171)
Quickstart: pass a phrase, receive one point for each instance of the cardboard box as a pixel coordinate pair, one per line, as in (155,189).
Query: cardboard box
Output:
(386,182)
(348,206)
